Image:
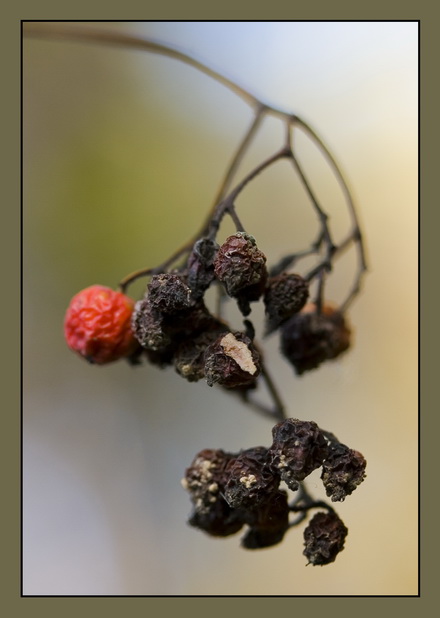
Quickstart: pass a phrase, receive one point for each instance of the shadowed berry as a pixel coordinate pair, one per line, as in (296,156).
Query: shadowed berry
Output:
(189,358)
(298,448)
(309,338)
(217,520)
(232,361)
(249,481)
(268,524)
(204,480)
(241,267)
(324,538)
(201,266)
(342,471)
(285,295)
(97,325)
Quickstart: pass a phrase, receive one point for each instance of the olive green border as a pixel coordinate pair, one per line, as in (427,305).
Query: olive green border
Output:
(13,603)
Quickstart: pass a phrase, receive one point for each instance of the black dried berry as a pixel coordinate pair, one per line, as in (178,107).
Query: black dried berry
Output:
(204,478)
(201,266)
(249,480)
(324,538)
(169,294)
(189,358)
(309,338)
(217,520)
(285,295)
(204,482)
(241,267)
(342,471)
(298,448)
(268,524)
(232,361)
(149,327)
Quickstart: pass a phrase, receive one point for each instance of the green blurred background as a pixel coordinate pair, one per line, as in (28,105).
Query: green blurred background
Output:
(123,154)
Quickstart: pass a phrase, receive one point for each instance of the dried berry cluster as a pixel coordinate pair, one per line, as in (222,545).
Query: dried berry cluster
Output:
(229,491)
(174,326)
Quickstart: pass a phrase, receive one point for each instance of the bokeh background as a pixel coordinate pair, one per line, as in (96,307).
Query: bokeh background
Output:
(123,154)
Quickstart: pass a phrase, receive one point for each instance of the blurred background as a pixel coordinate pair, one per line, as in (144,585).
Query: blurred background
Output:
(123,154)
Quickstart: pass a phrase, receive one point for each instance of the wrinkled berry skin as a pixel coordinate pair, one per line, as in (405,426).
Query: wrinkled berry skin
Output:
(168,294)
(97,325)
(232,361)
(285,295)
(241,267)
(298,448)
(268,524)
(324,538)
(342,471)
(249,481)
(204,481)
(201,266)
(309,338)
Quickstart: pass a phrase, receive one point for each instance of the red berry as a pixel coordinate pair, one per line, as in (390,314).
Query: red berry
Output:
(98,325)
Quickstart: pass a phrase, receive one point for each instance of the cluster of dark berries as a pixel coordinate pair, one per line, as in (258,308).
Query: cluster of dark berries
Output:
(229,491)
(171,325)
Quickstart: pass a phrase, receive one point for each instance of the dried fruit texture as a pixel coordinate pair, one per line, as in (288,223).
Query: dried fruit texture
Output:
(218,520)
(298,448)
(168,294)
(249,480)
(342,471)
(97,325)
(204,478)
(204,481)
(232,361)
(285,295)
(268,524)
(189,358)
(309,338)
(201,266)
(324,538)
(149,327)
(241,267)
(161,334)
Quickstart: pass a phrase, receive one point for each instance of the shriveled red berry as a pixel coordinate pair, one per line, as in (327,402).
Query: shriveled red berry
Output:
(97,325)
(324,538)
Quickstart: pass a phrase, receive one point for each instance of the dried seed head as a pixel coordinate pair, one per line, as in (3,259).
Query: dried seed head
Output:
(342,471)
(169,294)
(324,538)
(232,361)
(285,295)
(298,448)
(268,524)
(241,267)
(309,338)
(249,481)
(201,266)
